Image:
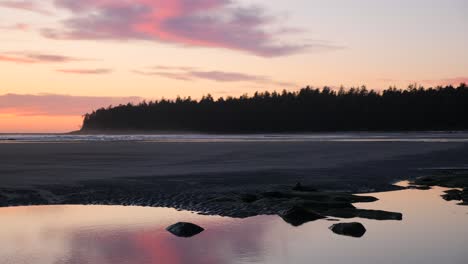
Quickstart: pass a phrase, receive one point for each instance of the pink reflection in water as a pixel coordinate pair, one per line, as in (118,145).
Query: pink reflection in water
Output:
(432,231)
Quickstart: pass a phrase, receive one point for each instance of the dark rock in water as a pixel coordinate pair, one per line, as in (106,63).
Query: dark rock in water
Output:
(297,215)
(452,178)
(419,187)
(349,229)
(378,214)
(348,198)
(451,195)
(363,213)
(464,196)
(183,229)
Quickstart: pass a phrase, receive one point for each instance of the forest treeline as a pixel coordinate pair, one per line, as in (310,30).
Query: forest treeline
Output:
(355,109)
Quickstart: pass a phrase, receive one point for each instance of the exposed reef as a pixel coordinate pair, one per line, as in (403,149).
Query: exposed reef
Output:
(450,178)
(296,205)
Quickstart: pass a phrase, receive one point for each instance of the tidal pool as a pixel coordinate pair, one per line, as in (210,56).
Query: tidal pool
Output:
(432,231)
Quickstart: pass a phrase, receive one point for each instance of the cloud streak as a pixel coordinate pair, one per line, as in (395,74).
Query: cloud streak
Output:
(85,71)
(25,5)
(31,57)
(194,23)
(55,104)
(192,74)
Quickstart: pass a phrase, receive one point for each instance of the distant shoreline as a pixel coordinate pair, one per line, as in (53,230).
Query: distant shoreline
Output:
(184,132)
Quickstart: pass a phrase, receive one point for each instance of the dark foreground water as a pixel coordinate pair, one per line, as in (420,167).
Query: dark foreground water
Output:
(432,231)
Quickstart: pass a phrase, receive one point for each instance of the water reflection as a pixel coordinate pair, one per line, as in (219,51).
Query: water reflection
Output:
(433,231)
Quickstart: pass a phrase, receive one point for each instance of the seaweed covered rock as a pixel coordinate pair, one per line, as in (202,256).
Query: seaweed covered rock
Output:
(453,194)
(450,179)
(363,213)
(349,229)
(419,187)
(183,229)
(298,215)
(456,195)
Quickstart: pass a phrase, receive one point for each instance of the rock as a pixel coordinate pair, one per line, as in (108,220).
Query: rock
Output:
(363,213)
(378,214)
(419,187)
(297,215)
(349,198)
(451,195)
(464,196)
(349,229)
(183,229)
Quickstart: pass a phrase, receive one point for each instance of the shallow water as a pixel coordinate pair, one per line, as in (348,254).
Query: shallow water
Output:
(332,136)
(432,231)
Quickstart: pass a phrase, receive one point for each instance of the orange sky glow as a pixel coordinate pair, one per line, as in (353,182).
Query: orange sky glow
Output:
(60,58)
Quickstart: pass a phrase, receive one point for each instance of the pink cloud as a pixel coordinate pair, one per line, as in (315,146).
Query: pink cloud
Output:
(198,23)
(85,71)
(56,105)
(17,26)
(16,59)
(25,5)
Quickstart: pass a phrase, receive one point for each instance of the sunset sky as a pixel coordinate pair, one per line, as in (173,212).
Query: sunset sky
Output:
(62,58)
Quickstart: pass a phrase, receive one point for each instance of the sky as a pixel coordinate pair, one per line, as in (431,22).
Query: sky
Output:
(62,58)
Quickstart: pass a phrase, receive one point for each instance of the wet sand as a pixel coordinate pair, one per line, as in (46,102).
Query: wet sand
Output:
(188,174)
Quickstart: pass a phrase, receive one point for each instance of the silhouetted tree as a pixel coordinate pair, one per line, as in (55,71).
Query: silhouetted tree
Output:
(309,109)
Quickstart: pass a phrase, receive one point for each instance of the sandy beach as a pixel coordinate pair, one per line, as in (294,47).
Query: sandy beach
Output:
(185,174)
(235,163)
